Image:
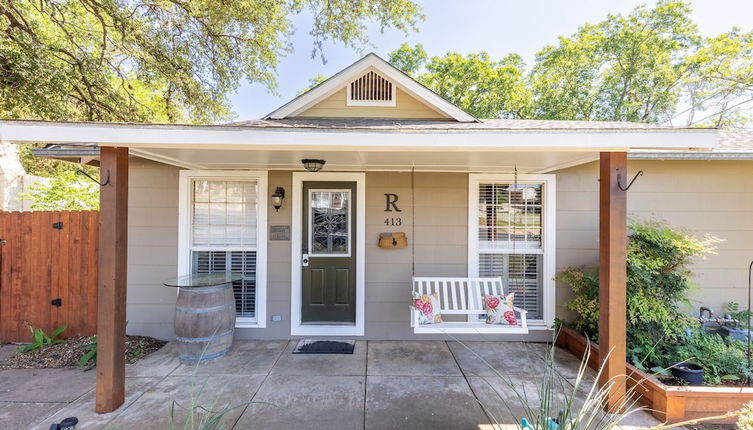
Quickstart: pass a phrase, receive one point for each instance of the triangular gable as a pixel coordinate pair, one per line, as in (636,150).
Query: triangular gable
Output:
(385,85)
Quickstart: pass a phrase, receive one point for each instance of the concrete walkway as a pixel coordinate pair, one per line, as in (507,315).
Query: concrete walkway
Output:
(383,385)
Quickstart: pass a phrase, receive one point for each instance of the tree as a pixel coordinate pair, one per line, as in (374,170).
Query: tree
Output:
(648,66)
(160,60)
(719,91)
(626,68)
(481,86)
(66,191)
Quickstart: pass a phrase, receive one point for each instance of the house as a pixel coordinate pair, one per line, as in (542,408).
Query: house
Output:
(383,154)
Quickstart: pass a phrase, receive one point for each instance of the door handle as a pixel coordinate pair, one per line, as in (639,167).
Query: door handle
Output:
(305,260)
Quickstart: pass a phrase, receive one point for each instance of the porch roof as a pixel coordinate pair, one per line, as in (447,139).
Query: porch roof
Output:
(368,144)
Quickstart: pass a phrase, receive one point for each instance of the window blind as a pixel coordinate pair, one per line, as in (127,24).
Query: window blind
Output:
(510,245)
(223,235)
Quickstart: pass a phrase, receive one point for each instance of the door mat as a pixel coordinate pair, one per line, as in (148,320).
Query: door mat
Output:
(312,346)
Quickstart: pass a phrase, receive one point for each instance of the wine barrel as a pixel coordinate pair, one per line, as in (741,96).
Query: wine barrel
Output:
(204,322)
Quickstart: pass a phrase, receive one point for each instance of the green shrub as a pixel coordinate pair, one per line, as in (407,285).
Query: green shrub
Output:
(722,358)
(90,356)
(40,339)
(658,260)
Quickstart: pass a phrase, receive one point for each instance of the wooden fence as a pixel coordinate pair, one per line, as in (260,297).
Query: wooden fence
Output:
(48,273)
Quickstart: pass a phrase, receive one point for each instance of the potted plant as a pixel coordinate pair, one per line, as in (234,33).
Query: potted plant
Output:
(691,373)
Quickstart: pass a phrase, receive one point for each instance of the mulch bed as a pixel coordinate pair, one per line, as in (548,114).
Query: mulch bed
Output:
(68,353)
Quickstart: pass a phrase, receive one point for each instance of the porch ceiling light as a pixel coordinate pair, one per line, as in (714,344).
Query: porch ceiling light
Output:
(313,165)
(278,197)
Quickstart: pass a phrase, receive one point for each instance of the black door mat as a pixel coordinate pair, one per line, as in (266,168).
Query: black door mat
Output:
(312,346)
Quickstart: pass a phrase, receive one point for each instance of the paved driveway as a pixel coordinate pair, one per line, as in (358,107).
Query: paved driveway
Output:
(383,385)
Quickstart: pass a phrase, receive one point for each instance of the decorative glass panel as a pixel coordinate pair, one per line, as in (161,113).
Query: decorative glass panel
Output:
(329,222)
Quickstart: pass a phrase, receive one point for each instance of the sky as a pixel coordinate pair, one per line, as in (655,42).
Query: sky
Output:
(499,27)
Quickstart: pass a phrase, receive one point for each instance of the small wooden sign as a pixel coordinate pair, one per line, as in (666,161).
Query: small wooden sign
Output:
(396,240)
(279,232)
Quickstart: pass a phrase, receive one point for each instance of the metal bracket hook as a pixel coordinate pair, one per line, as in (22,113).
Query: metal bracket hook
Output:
(102,184)
(619,180)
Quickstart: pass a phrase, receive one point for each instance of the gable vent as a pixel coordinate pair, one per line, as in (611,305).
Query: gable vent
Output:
(371,90)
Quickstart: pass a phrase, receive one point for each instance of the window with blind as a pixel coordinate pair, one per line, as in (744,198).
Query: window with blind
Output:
(508,228)
(223,235)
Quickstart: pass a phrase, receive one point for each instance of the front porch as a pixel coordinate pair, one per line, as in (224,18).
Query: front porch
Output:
(384,384)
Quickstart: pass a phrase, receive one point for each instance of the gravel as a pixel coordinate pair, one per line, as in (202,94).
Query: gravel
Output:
(68,353)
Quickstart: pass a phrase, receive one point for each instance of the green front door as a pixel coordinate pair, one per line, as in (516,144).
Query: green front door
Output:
(329,253)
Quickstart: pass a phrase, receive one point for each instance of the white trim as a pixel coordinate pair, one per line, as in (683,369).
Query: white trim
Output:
(568,164)
(296,328)
(377,140)
(184,233)
(549,232)
(388,71)
(151,155)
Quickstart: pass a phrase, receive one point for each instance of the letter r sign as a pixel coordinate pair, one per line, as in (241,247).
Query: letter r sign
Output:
(391,203)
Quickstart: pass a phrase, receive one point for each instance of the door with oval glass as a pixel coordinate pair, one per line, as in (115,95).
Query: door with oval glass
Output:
(329,248)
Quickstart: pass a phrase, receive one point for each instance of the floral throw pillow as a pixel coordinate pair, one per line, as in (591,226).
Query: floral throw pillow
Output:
(427,306)
(499,309)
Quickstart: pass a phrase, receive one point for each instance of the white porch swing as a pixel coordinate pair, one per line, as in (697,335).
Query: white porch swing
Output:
(462,296)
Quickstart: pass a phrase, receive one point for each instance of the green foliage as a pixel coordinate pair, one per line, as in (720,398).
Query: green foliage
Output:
(719,88)
(481,86)
(742,315)
(68,191)
(40,339)
(658,259)
(316,80)
(722,358)
(161,61)
(650,65)
(90,356)
(626,68)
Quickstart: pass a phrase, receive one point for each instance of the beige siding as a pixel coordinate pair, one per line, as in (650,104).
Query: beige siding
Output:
(405,107)
(152,247)
(704,197)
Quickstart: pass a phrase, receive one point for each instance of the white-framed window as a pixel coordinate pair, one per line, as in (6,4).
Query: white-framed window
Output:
(511,234)
(371,89)
(223,229)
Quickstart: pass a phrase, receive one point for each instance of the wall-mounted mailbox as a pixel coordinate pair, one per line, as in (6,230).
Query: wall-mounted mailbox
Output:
(395,240)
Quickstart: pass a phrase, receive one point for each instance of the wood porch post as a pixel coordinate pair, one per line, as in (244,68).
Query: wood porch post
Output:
(612,274)
(111,287)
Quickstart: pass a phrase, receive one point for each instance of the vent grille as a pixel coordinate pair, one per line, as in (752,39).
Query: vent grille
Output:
(371,89)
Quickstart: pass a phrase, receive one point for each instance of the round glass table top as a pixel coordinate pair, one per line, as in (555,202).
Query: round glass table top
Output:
(198,280)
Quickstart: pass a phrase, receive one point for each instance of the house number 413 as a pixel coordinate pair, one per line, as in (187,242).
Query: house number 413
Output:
(393,221)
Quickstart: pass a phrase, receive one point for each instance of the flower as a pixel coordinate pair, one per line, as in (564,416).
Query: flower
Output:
(425,299)
(510,317)
(427,309)
(492,302)
(437,318)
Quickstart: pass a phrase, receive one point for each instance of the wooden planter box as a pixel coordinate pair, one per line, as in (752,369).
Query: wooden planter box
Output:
(667,403)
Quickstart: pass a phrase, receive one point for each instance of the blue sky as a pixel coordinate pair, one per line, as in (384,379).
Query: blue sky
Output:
(496,26)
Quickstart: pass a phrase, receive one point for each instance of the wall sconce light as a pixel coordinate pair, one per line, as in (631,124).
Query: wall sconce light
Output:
(313,165)
(277,198)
